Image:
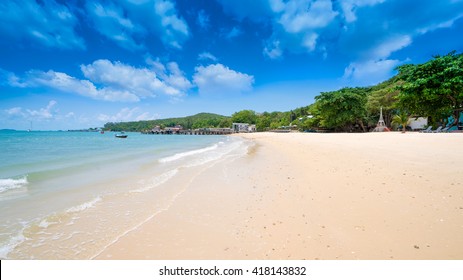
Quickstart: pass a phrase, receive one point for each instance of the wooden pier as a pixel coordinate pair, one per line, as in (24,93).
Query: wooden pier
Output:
(201,131)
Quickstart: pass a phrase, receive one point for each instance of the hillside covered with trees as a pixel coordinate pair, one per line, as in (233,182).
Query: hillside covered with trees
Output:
(433,89)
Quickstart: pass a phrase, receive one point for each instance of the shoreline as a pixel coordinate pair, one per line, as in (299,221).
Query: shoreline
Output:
(316,196)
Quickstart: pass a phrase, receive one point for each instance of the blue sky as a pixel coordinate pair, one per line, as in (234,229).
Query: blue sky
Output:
(78,64)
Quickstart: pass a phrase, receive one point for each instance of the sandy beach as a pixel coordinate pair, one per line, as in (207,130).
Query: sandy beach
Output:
(314,196)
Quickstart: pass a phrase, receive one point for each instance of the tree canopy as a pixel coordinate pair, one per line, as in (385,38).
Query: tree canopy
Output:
(344,109)
(434,88)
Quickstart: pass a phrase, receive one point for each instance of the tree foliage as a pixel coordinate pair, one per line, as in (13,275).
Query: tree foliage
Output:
(383,95)
(434,88)
(401,119)
(200,120)
(344,109)
(244,116)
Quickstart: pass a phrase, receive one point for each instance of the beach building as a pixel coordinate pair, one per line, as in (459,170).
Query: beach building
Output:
(173,130)
(418,123)
(156,129)
(243,127)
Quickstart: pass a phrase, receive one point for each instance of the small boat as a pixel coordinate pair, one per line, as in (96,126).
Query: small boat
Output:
(121,135)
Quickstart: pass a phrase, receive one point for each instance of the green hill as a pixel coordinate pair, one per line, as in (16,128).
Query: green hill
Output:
(201,120)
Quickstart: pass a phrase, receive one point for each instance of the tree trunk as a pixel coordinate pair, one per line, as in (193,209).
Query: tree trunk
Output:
(362,126)
(456,117)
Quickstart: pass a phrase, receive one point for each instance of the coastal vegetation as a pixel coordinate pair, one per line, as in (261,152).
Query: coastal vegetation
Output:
(191,122)
(433,89)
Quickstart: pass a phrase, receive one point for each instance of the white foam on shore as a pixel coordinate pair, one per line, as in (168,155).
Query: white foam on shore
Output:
(11,184)
(214,154)
(157,181)
(84,206)
(189,153)
(9,246)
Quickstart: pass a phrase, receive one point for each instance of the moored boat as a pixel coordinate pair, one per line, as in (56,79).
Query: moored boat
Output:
(121,135)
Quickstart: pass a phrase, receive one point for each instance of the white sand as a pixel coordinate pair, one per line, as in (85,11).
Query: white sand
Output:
(316,196)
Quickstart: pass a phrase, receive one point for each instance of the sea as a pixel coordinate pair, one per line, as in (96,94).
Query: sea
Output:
(71,195)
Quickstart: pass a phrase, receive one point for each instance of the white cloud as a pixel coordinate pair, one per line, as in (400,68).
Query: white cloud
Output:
(233,33)
(46,23)
(273,50)
(390,45)
(127,114)
(207,56)
(110,21)
(438,25)
(203,20)
(130,23)
(218,79)
(44,113)
(349,7)
(65,83)
(370,72)
(110,81)
(297,25)
(302,16)
(174,27)
(15,112)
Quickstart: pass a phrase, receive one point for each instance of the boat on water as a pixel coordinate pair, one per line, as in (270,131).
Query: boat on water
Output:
(121,135)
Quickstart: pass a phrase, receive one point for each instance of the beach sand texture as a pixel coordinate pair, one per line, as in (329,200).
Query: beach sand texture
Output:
(315,196)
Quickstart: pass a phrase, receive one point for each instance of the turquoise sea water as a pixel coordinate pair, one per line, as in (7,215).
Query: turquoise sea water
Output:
(67,195)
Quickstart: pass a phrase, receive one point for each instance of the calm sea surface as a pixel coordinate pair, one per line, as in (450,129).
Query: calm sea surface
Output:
(69,195)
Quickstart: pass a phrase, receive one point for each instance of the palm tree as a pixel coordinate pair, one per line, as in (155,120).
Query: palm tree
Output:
(401,119)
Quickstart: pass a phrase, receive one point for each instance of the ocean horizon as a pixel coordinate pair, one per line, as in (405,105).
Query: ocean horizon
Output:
(69,195)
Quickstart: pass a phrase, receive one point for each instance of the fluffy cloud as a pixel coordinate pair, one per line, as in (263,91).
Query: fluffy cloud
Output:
(296,25)
(207,56)
(175,29)
(110,21)
(203,20)
(357,28)
(349,7)
(15,112)
(392,44)
(47,23)
(302,16)
(110,81)
(127,114)
(65,83)
(128,23)
(46,113)
(370,72)
(218,79)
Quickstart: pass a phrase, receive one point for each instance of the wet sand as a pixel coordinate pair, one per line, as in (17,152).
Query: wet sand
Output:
(315,196)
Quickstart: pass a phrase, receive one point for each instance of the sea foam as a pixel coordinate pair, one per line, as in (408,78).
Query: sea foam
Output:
(11,184)
(157,181)
(84,206)
(9,246)
(189,153)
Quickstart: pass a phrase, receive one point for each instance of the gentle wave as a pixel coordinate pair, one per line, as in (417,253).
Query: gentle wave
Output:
(11,184)
(84,206)
(12,243)
(186,154)
(157,181)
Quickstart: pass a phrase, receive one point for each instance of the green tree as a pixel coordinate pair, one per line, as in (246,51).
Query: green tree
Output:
(244,116)
(401,119)
(342,110)
(383,95)
(263,122)
(434,88)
